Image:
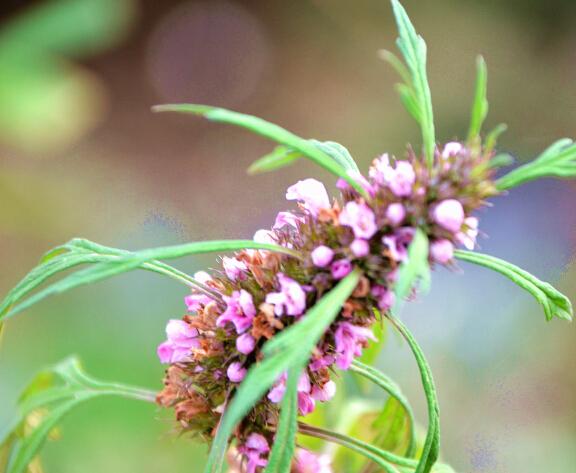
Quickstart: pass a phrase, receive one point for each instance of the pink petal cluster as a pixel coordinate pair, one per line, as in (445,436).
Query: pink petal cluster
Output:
(240,311)
(291,300)
(181,340)
(360,218)
(311,193)
(255,450)
(350,340)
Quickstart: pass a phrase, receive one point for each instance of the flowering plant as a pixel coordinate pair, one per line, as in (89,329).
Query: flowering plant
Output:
(267,336)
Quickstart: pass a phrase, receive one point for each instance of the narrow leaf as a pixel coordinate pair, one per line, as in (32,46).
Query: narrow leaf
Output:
(339,153)
(559,161)
(385,383)
(554,303)
(49,397)
(413,48)
(267,130)
(431,449)
(414,269)
(480,104)
(280,460)
(280,157)
(108,265)
(288,349)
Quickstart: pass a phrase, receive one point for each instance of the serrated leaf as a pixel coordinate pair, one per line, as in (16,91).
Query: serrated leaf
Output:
(559,161)
(109,262)
(270,131)
(280,460)
(290,348)
(415,269)
(554,303)
(480,104)
(48,398)
(280,157)
(413,48)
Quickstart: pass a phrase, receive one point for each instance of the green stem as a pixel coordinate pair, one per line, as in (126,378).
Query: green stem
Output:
(384,382)
(381,457)
(432,444)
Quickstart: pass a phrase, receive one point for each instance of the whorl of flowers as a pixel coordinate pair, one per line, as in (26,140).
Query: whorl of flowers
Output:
(259,293)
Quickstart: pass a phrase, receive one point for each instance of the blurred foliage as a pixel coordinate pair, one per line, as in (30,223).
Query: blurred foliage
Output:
(39,90)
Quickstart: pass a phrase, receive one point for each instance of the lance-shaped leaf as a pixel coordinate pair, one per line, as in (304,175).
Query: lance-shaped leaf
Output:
(289,349)
(270,131)
(431,448)
(554,303)
(109,262)
(413,271)
(48,398)
(416,92)
(280,460)
(283,156)
(279,158)
(395,423)
(559,161)
(480,104)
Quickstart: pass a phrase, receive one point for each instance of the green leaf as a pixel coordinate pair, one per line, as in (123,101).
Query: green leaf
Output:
(395,423)
(270,131)
(48,398)
(559,160)
(371,352)
(280,460)
(492,137)
(339,153)
(431,449)
(291,348)
(414,269)
(280,157)
(109,262)
(480,104)
(413,48)
(382,458)
(554,303)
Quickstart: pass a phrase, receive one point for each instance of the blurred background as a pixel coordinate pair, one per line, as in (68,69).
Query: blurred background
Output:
(82,155)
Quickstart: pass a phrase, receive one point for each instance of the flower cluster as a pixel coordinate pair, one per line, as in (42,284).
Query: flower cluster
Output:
(259,293)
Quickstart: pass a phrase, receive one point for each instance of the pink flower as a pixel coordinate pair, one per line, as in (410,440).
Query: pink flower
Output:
(306,404)
(287,218)
(384,296)
(452,149)
(291,300)
(202,277)
(398,243)
(236,372)
(311,193)
(469,235)
(240,311)
(256,445)
(395,213)
(360,248)
(322,256)
(343,185)
(264,236)
(399,179)
(341,268)
(181,340)
(325,393)
(321,362)
(276,394)
(245,343)
(449,214)
(307,462)
(234,268)
(195,302)
(442,251)
(349,342)
(360,218)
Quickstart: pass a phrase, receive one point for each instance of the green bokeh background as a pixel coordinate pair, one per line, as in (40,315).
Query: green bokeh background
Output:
(81,155)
